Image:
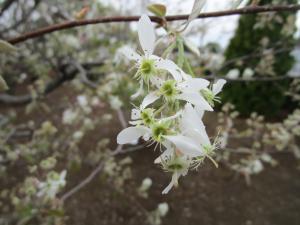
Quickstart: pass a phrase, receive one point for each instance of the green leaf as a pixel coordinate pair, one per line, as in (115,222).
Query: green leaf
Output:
(6,47)
(157,9)
(3,85)
(180,46)
(197,8)
(189,67)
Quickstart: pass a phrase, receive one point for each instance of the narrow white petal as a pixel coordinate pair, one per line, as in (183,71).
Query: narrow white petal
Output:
(146,35)
(190,119)
(131,134)
(149,99)
(135,122)
(173,182)
(130,53)
(217,87)
(135,114)
(193,84)
(186,145)
(196,99)
(171,67)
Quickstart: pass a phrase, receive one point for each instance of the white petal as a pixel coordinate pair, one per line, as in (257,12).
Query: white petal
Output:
(217,87)
(150,98)
(190,119)
(156,81)
(171,184)
(196,99)
(146,35)
(135,114)
(193,84)
(135,122)
(185,76)
(171,67)
(129,53)
(131,134)
(186,145)
(200,111)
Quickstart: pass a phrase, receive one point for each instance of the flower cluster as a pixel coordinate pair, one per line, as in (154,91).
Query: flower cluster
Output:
(170,115)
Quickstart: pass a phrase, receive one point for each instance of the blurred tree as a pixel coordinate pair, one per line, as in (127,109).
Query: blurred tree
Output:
(261,47)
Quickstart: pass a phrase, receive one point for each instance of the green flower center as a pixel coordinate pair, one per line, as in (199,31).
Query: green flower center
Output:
(147,66)
(147,116)
(169,90)
(208,149)
(208,95)
(146,70)
(176,164)
(158,131)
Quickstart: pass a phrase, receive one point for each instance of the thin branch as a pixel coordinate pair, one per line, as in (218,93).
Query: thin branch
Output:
(83,75)
(159,20)
(6,5)
(98,169)
(50,87)
(252,79)
(24,17)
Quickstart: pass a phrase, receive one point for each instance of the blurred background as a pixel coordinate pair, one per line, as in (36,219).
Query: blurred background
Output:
(69,96)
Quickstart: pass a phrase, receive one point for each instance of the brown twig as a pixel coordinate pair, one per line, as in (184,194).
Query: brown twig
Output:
(117,19)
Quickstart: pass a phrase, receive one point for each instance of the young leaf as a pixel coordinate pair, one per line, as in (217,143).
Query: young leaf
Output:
(82,13)
(3,85)
(197,8)
(157,9)
(6,47)
(180,46)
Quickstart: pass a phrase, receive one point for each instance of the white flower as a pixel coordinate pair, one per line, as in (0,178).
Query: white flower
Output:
(146,184)
(178,165)
(78,135)
(82,101)
(69,116)
(149,64)
(163,209)
(193,140)
(211,95)
(142,115)
(233,74)
(248,73)
(156,131)
(54,183)
(115,102)
(187,90)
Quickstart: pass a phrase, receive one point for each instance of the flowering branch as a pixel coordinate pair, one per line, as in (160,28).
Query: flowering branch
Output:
(159,20)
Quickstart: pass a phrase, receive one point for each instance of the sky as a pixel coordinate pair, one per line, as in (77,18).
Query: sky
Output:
(218,30)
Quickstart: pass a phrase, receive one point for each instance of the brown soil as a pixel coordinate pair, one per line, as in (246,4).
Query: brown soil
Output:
(209,196)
